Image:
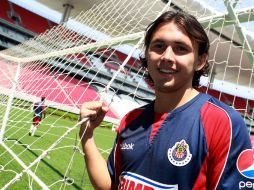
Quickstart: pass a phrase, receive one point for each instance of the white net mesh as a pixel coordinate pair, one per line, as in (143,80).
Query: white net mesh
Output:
(98,53)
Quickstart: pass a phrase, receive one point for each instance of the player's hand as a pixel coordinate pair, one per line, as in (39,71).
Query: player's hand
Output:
(95,111)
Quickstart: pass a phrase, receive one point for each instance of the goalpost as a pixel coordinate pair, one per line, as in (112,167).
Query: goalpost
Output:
(96,56)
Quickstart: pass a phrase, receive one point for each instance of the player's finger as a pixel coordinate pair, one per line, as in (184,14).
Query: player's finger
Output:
(100,114)
(90,109)
(94,105)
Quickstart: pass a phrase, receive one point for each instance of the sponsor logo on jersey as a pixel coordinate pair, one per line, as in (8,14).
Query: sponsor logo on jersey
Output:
(246,185)
(245,163)
(129,180)
(126,146)
(179,154)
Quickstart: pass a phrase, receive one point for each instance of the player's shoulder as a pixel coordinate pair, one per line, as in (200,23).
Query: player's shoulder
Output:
(132,115)
(215,107)
(137,111)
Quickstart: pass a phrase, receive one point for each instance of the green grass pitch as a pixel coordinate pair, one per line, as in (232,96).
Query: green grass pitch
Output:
(62,168)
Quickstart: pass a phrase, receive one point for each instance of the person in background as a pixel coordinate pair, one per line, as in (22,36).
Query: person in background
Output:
(182,140)
(39,110)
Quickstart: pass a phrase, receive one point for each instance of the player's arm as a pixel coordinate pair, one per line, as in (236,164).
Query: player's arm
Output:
(231,177)
(34,107)
(44,111)
(227,137)
(95,163)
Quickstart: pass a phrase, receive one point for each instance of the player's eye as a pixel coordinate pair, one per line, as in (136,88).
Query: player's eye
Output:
(157,47)
(180,49)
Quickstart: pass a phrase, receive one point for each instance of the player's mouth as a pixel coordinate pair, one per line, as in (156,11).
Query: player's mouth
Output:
(167,71)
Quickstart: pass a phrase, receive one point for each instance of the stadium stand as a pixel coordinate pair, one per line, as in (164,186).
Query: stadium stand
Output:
(21,17)
(57,87)
(16,25)
(5,71)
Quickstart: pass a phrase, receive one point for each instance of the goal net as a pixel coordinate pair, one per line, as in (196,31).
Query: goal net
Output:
(96,56)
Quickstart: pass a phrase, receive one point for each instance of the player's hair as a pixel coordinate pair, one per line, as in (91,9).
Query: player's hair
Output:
(43,98)
(189,25)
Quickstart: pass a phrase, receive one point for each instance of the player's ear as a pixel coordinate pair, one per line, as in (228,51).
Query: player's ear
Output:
(202,59)
(144,59)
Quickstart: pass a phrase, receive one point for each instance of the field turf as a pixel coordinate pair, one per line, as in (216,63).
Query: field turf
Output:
(62,168)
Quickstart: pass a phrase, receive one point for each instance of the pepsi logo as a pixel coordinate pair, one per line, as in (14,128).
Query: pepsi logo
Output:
(245,163)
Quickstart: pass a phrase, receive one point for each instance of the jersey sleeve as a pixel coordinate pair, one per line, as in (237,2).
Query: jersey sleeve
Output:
(35,106)
(226,136)
(114,162)
(114,159)
(111,161)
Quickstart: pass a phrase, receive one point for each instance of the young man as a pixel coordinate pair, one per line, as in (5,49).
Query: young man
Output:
(39,111)
(182,140)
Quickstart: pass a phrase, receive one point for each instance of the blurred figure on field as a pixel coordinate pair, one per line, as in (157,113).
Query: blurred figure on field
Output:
(39,110)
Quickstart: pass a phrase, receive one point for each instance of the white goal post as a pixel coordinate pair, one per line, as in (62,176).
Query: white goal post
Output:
(96,56)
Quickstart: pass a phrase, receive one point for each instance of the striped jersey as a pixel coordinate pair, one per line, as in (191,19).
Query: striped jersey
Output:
(203,144)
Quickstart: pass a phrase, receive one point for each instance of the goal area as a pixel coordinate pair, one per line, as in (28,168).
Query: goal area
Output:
(95,56)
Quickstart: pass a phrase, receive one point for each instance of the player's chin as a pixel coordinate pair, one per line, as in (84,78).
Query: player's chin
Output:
(165,86)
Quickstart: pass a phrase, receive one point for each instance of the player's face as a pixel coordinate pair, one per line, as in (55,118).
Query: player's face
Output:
(172,58)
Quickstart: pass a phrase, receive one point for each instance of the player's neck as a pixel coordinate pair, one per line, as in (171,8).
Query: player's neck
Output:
(166,102)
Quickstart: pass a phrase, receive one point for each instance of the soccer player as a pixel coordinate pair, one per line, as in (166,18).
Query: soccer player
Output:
(39,111)
(182,140)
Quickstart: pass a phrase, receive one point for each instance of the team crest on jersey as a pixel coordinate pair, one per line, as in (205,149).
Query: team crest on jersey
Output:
(179,154)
